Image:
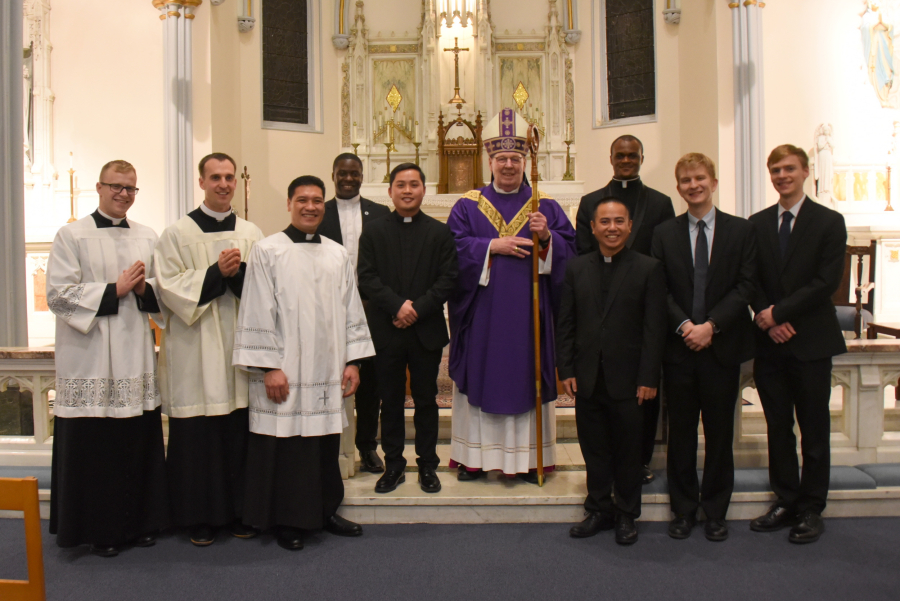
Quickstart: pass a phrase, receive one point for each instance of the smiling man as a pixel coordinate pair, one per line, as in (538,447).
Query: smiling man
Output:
(301,333)
(108,486)
(199,265)
(648,209)
(492,349)
(346,215)
(801,262)
(407,270)
(709,258)
(610,337)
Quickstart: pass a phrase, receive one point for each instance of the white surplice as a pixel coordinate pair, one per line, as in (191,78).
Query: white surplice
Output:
(196,376)
(300,313)
(105,366)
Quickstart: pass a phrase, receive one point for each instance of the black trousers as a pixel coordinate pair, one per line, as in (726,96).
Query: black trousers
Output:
(650,419)
(700,385)
(406,351)
(787,385)
(368,406)
(609,433)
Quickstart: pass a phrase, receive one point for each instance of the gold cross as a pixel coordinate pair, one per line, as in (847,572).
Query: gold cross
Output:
(457,99)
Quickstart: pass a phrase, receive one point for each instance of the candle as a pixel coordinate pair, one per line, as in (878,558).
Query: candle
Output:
(71,159)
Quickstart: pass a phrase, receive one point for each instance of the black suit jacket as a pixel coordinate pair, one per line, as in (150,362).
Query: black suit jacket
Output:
(628,333)
(434,276)
(800,285)
(331,222)
(652,209)
(730,285)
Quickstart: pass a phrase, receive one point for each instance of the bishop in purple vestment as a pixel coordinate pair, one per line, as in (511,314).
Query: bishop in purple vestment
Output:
(491,319)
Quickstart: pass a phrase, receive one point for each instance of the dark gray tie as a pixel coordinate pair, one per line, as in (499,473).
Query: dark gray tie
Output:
(701,266)
(784,233)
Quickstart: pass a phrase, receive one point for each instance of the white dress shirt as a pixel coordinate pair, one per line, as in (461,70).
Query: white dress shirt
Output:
(350,216)
(795,210)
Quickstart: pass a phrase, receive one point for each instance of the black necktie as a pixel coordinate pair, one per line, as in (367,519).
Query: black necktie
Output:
(701,266)
(784,233)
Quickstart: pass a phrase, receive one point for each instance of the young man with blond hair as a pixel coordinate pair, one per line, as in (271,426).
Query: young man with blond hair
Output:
(108,486)
(709,258)
(801,263)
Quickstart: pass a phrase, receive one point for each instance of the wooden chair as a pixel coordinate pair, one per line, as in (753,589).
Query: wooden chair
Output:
(460,157)
(21,494)
(860,313)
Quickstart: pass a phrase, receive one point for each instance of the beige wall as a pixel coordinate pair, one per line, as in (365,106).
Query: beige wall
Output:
(106,73)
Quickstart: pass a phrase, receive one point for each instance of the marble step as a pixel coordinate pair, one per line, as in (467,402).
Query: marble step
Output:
(498,499)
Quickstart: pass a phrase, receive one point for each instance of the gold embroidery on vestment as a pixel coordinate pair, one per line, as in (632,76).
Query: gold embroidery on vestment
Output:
(493,215)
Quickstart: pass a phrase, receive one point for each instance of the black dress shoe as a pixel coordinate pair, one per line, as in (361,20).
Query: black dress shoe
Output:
(626,531)
(145,540)
(808,529)
(716,530)
(290,539)
(342,527)
(646,475)
(465,475)
(776,518)
(105,550)
(428,480)
(594,523)
(390,480)
(239,530)
(202,535)
(369,461)
(680,527)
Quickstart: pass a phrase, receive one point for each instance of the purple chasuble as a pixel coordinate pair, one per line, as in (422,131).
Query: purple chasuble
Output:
(492,346)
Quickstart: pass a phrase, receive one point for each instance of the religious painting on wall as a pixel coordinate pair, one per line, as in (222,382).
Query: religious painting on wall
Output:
(402,74)
(527,72)
(878,30)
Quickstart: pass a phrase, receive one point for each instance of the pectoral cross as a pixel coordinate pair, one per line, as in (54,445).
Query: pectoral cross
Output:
(457,100)
(324,397)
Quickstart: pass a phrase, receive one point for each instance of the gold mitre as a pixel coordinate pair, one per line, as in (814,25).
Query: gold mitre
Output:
(506,132)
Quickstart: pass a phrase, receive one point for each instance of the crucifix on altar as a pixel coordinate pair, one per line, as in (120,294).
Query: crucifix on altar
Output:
(457,99)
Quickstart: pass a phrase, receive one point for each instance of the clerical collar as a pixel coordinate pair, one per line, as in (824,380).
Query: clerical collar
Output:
(103,220)
(215,214)
(351,201)
(499,191)
(615,258)
(624,182)
(403,219)
(298,237)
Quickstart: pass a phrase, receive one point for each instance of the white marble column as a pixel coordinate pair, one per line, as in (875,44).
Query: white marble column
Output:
(13,317)
(749,111)
(177,17)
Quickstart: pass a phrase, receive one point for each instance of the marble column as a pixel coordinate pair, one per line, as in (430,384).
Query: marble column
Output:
(177,17)
(13,316)
(751,175)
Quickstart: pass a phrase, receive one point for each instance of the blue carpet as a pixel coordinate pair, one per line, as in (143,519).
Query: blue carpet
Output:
(855,559)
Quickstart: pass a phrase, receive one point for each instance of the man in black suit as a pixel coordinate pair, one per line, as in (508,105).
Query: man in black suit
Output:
(710,261)
(345,217)
(648,208)
(610,336)
(407,270)
(801,262)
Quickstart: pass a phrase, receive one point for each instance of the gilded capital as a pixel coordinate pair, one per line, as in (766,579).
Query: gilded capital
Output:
(192,3)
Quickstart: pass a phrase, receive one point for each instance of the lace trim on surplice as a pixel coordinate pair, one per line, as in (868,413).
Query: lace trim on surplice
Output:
(106,392)
(64,304)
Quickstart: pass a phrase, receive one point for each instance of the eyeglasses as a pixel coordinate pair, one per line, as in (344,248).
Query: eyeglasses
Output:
(118,188)
(511,160)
